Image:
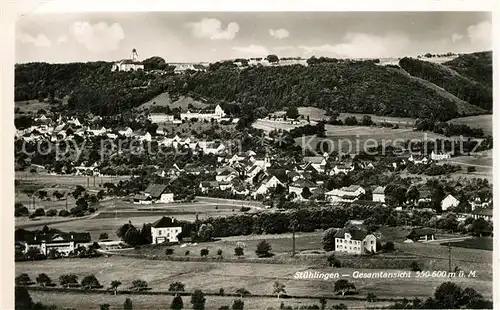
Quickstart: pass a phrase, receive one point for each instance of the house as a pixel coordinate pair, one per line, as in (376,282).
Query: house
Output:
(379,194)
(159,193)
(418,159)
(207,114)
(206,186)
(422,234)
(165,229)
(270,181)
(225,185)
(355,241)
(344,168)
(182,68)
(161,118)
(345,194)
(299,186)
(440,156)
(449,202)
(127,132)
(484,213)
(145,136)
(317,162)
(226,175)
(425,195)
(64,243)
(214,147)
(131,64)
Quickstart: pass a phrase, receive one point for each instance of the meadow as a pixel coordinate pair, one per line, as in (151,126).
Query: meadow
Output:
(478,121)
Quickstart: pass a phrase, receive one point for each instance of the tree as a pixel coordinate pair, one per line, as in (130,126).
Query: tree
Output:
(329,239)
(306,193)
(21,210)
(205,232)
(43,279)
(388,246)
(412,194)
(448,295)
(333,261)
(139,285)
(292,112)
(114,286)
(370,297)
(23,279)
(322,301)
(51,212)
(104,306)
(32,252)
(263,249)
(242,292)
(39,212)
(103,236)
(169,251)
(238,251)
(272,58)
(22,298)
(68,279)
(351,121)
(90,282)
(366,120)
(238,304)
(176,287)
(177,303)
(204,252)
(219,253)
(343,286)
(414,266)
(278,288)
(127,305)
(198,300)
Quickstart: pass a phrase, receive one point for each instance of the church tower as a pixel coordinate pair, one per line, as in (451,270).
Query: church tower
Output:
(134,56)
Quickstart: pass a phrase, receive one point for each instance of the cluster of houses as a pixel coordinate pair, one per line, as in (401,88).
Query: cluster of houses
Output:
(207,114)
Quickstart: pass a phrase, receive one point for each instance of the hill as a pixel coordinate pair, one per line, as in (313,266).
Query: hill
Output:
(464,88)
(476,66)
(165,100)
(484,122)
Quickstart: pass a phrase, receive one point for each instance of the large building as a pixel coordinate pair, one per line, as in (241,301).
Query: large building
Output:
(165,229)
(130,64)
(161,118)
(355,241)
(207,114)
(345,194)
(64,243)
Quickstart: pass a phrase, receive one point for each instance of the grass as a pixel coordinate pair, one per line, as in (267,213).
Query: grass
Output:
(476,243)
(164,100)
(145,302)
(32,106)
(66,181)
(256,278)
(478,121)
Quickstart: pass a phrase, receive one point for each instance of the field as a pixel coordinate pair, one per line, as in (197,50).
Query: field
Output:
(270,125)
(477,243)
(256,278)
(67,180)
(31,106)
(164,100)
(145,302)
(479,121)
(353,139)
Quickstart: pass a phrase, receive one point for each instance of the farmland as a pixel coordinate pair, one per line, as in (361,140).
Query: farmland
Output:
(67,180)
(164,100)
(479,121)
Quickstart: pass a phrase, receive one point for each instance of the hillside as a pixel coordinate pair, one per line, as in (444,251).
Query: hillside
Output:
(343,86)
(464,88)
(476,66)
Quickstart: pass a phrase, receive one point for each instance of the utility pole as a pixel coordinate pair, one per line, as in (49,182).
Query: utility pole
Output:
(449,257)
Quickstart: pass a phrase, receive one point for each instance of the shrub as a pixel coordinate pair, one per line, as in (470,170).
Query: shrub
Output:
(169,251)
(204,252)
(238,251)
(39,212)
(64,213)
(21,210)
(388,246)
(103,236)
(187,253)
(414,266)
(333,261)
(51,212)
(176,287)
(245,209)
(263,249)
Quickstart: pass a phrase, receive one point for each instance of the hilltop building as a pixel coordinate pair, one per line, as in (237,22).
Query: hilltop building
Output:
(130,64)
(165,229)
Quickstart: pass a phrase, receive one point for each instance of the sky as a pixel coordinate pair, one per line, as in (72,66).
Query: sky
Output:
(207,36)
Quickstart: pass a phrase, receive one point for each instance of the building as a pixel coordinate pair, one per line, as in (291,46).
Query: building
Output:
(161,118)
(206,186)
(344,168)
(449,202)
(298,187)
(206,114)
(422,234)
(484,213)
(355,241)
(131,64)
(345,194)
(379,194)
(64,243)
(159,193)
(186,67)
(440,156)
(270,181)
(165,229)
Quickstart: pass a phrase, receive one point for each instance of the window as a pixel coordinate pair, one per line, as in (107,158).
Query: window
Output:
(159,232)
(371,242)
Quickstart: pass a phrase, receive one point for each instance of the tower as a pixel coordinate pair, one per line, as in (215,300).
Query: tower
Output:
(134,56)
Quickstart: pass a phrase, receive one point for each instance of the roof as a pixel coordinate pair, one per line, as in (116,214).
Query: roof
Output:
(155,190)
(209,184)
(483,211)
(165,222)
(129,62)
(313,159)
(36,238)
(423,231)
(303,183)
(351,188)
(379,190)
(356,234)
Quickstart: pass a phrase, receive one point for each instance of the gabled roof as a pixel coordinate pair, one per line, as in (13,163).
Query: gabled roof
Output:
(37,238)
(313,159)
(155,190)
(303,183)
(209,184)
(165,222)
(379,190)
(356,234)
(483,211)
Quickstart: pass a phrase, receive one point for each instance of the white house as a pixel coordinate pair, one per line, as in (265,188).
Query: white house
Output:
(355,241)
(64,243)
(418,159)
(342,168)
(165,229)
(161,118)
(268,182)
(438,156)
(449,202)
(298,187)
(127,132)
(214,147)
(206,114)
(345,194)
(378,194)
(155,193)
